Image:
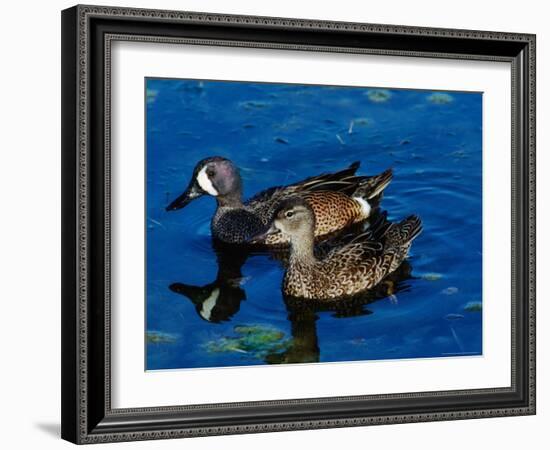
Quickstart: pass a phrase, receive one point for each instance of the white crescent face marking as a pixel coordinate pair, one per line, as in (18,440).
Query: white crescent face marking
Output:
(365,207)
(209,303)
(205,183)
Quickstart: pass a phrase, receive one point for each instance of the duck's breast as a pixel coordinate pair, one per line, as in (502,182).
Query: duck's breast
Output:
(236,226)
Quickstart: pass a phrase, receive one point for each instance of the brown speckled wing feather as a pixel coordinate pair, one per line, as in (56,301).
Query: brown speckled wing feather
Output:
(263,203)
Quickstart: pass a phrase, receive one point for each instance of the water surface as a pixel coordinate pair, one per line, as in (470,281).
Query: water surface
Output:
(281,133)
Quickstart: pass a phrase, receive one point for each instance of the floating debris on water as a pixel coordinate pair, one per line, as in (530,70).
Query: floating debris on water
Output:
(473,307)
(359,341)
(158,337)
(459,154)
(255,340)
(340,139)
(450,290)
(360,122)
(264,160)
(156,222)
(441,340)
(253,104)
(440,98)
(378,95)
(281,140)
(370,342)
(431,276)
(363,121)
(453,316)
(457,339)
(192,87)
(151,95)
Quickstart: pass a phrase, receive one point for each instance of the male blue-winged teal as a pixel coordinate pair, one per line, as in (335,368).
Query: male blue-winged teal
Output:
(338,200)
(351,267)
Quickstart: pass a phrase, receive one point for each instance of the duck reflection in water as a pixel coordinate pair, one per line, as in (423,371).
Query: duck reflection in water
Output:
(221,299)
(303,316)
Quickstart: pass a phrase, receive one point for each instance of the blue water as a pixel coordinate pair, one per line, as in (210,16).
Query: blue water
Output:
(281,133)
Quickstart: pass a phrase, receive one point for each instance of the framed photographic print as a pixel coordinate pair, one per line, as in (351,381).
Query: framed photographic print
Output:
(282,224)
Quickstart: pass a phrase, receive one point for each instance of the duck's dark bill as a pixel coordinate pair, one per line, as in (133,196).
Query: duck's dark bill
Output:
(261,237)
(190,194)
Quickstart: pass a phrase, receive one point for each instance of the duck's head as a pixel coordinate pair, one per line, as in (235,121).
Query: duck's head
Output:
(294,218)
(214,176)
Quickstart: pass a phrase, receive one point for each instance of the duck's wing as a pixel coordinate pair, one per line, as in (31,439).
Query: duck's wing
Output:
(355,253)
(369,235)
(332,181)
(383,251)
(327,181)
(343,181)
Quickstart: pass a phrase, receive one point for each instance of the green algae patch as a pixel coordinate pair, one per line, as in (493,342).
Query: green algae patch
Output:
(378,95)
(473,307)
(431,276)
(362,122)
(256,341)
(151,95)
(158,337)
(440,98)
(450,290)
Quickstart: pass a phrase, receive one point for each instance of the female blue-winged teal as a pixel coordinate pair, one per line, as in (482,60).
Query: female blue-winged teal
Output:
(351,267)
(338,200)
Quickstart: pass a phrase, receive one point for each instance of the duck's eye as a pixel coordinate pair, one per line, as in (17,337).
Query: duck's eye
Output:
(210,172)
(289,214)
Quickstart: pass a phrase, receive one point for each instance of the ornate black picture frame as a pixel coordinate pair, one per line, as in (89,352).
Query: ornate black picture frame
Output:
(87,34)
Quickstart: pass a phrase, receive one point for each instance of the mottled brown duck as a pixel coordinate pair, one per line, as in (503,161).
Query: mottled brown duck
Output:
(355,264)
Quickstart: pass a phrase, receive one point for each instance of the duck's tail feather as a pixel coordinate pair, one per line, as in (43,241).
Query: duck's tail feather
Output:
(403,233)
(354,166)
(398,241)
(372,187)
(330,177)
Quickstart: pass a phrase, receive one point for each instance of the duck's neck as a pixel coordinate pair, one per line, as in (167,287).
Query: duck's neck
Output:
(302,249)
(231,200)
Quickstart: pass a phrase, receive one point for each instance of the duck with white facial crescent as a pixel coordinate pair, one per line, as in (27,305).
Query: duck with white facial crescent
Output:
(338,200)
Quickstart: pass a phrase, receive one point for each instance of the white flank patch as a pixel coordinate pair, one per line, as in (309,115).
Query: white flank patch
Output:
(209,303)
(205,183)
(365,207)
